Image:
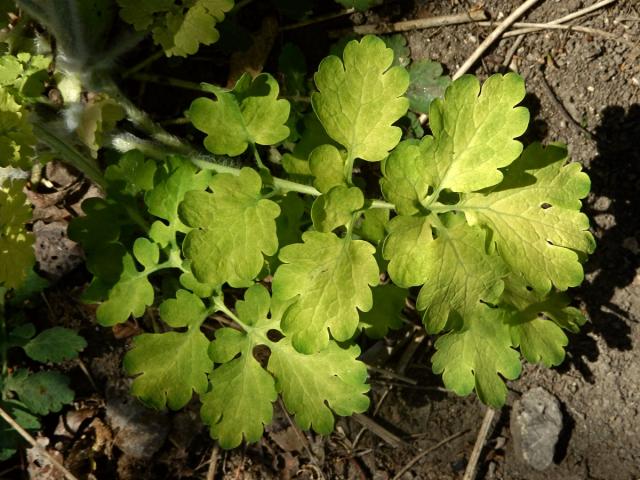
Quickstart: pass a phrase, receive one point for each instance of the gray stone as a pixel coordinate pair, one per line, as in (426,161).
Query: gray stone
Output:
(140,432)
(536,423)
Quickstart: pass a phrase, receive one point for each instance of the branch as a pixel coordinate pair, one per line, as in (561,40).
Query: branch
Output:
(32,441)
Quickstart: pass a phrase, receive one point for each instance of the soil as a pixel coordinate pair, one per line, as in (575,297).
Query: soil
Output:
(584,91)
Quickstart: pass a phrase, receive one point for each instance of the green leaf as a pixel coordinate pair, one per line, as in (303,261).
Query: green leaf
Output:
(407,249)
(41,392)
(130,296)
(312,386)
(179,27)
(186,309)
(474,132)
(459,275)
(427,84)
(336,207)
(55,345)
(540,195)
(233,227)
(374,224)
(358,100)
(16,243)
(401,52)
(249,114)
(17,140)
(169,367)
(296,163)
(406,182)
(240,401)
(388,302)
(327,164)
(133,173)
(476,356)
(327,279)
(173,180)
(537,320)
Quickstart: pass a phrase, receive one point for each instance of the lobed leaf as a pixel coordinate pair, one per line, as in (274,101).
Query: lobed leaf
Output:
(55,345)
(540,195)
(360,97)
(16,243)
(169,367)
(247,115)
(477,355)
(232,228)
(325,280)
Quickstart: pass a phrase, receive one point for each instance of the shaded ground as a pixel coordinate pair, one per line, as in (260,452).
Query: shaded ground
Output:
(595,81)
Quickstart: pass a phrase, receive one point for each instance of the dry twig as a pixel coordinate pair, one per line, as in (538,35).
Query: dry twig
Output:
(416,24)
(421,455)
(470,472)
(487,42)
(378,430)
(213,462)
(32,441)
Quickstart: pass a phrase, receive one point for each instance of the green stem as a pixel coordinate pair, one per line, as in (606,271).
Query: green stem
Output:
(257,158)
(168,81)
(144,63)
(143,121)
(69,154)
(218,302)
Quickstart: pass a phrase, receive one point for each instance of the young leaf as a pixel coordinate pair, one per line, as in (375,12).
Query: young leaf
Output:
(16,243)
(358,100)
(314,385)
(401,52)
(406,182)
(296,163)
(180,27)
(242,392)
(232,228)
(16,135)
(476,356)
(537,320)
(133,173)
(55,345)
(327,278)
(240,401)
(388,302)
(184,310)
(41,392)
(173,180)
(335,208)
(407,249)
(540,195)
(169,367)
(474,132)
(374,224)
(326,163)
(247,115)
(130,296)
(427,84)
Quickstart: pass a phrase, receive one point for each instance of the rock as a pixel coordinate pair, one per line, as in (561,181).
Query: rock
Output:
(140,432)
(536,423)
